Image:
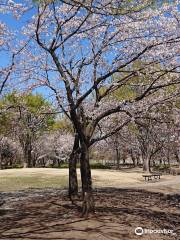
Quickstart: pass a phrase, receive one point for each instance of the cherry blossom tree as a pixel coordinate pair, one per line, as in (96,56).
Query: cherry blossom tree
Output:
(10,152)
(76,48)
(8,47)
(25,121)
(54,145)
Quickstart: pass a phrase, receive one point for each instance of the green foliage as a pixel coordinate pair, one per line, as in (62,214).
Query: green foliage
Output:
(35,102)
(17,166)
(133,128)
(125,93)
(133,6)
(162,167)
(25,111)
(43,1)
(170,89)
(133,87)
(62,124)
(177,103)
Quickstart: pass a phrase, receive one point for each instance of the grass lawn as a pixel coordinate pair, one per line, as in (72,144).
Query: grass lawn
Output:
(19,179)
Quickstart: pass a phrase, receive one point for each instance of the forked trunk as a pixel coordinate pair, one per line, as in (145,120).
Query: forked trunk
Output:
(73,182)
(88,200)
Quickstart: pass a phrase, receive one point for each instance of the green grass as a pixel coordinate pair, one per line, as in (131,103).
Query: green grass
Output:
(11,183)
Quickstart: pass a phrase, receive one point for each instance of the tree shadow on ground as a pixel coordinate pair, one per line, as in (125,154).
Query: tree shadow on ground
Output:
(118,213)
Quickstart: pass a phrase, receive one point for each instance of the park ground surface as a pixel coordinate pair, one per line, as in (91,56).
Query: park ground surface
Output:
(37,207)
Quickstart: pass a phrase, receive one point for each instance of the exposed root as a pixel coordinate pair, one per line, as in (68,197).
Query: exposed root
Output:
(88,205)
(74,198)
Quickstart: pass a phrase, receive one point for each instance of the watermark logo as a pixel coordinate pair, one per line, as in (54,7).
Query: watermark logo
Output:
(140,231)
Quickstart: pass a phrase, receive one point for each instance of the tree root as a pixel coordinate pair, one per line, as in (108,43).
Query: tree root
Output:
(88,205)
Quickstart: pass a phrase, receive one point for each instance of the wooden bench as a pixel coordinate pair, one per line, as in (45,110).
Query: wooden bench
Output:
(150,177)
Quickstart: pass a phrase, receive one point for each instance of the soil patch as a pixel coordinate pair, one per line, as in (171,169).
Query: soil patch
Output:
(48,214)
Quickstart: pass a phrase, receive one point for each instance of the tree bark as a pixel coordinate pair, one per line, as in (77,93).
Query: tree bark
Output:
(146,164)
(28,152)
(118,158)
(73,181)
(177,157)
(29,156)
(0,161)
(88,201)
(134,158)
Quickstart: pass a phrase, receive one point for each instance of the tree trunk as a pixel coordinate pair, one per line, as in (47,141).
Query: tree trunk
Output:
(146,164)
(0,161)
(34,160)
(28,153)
(124,158)
(118,158)
(177,157)
(134,159)
(29,157)
(88,201)
(25,157)
(168,157)
(138,158)
(73,182)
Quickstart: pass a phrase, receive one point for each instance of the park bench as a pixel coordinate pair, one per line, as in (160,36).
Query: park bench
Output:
(152,176)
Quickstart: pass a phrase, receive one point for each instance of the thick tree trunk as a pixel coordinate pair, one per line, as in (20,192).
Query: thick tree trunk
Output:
(88,201)
(73,181)
(146,165)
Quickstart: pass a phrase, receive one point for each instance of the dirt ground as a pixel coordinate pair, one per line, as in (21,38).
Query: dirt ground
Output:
(124,201)
(48,214)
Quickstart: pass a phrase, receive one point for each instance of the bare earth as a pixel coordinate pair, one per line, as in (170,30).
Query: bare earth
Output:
(123,202)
